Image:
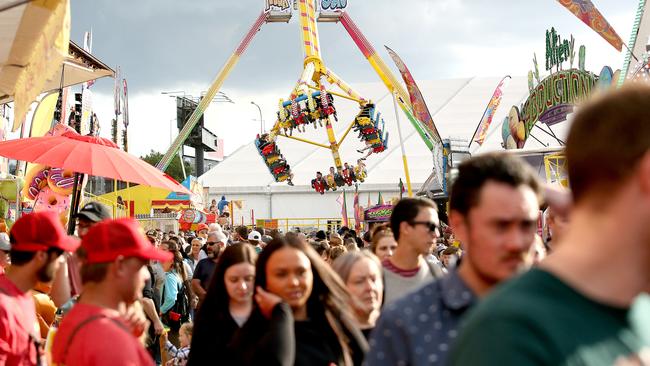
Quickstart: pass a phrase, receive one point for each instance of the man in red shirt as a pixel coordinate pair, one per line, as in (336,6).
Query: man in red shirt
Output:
(114,275)
(37,242)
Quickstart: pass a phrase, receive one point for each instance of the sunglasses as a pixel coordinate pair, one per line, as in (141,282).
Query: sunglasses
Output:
(212,243)
(432,226)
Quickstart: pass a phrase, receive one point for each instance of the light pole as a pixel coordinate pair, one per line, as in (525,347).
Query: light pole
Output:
(261,120)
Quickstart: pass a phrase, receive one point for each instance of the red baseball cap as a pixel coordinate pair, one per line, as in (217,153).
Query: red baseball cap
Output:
(202,226)
(41,231)
(109,239)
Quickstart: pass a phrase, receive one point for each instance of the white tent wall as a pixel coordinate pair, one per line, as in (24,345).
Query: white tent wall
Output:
(455,104)
(300,203)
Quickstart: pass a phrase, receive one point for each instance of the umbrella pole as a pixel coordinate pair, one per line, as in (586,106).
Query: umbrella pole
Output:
(74,203)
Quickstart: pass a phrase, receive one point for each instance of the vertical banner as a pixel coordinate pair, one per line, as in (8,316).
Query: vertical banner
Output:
(358,212)
(586,11)
(344,208)
(88,47)
(117,93)
(125,116)
(420,109)
(481,130)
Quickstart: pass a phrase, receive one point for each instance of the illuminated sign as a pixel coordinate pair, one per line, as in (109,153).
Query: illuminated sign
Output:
(563,87)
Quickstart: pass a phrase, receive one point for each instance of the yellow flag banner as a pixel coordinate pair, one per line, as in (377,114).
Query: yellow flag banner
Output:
(46,54)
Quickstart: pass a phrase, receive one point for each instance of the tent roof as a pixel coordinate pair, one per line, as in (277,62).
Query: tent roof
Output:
(455,104)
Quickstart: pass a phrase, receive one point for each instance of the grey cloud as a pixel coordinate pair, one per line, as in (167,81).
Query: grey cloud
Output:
(166,43)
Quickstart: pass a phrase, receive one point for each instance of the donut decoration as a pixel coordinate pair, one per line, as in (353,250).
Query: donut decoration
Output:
(61,181)
(35,181)
(48,200)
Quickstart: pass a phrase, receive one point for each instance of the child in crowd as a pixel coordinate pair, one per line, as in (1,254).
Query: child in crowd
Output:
(179,356)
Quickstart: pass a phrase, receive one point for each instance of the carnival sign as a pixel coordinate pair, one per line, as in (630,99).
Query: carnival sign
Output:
(380,213)
(278,10)
(558,50)
(556,114)
(563,87)
(277,5)
(332,5)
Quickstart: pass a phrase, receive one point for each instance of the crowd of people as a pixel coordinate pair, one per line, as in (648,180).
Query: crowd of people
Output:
(477,290)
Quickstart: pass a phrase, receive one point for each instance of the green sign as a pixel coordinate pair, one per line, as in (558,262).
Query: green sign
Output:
(557,49)
(563,87)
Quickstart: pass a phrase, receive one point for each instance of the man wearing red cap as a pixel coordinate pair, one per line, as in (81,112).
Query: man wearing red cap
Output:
(37,242)
(114,274)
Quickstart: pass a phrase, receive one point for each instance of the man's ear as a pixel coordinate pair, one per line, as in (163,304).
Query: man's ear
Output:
(459,226)
(41,257)
(404,228)
(643,174)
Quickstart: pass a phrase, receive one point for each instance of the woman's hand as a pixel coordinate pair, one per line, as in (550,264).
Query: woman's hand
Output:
(266,301)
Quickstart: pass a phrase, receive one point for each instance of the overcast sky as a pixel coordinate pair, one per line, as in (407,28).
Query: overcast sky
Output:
(171,45)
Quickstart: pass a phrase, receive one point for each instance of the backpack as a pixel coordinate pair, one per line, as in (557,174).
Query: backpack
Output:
(180,312)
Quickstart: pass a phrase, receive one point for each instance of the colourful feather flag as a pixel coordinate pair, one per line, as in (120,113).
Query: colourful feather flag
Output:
(586,11)
(344,209)
(380,199)
(481,130)
(358,210)
(420,109)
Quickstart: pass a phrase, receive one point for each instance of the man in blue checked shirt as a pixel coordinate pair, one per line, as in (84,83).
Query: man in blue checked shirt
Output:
(494,206)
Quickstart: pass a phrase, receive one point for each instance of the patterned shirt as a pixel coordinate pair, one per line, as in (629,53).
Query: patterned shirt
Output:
(179,356)
(418,328)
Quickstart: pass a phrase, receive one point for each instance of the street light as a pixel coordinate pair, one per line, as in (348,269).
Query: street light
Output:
(261,120)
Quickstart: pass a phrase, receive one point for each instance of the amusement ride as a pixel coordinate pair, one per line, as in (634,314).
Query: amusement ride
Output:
(311,103)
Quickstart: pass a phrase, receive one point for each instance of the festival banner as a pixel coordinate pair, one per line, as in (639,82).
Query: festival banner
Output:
(44,58)
(481,130)
(586,11)
(420,109)
(117,93)
(88,47)
(358,212)
(125,105)
(344,209)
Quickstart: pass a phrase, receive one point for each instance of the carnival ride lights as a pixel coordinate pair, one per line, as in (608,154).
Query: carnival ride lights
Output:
(311,104)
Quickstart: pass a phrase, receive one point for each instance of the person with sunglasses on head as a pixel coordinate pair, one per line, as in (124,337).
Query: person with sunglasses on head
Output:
(205,268)
(414,223)
(37,242)
(494,206)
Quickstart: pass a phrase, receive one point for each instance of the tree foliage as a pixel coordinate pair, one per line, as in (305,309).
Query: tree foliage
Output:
(174,169)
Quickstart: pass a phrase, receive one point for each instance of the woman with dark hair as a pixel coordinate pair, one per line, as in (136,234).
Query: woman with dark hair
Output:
(227,304)
(301,315)
(361,273)
(175,276)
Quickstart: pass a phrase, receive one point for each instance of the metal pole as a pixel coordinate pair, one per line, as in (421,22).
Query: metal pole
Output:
(401,145)
(261,120)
